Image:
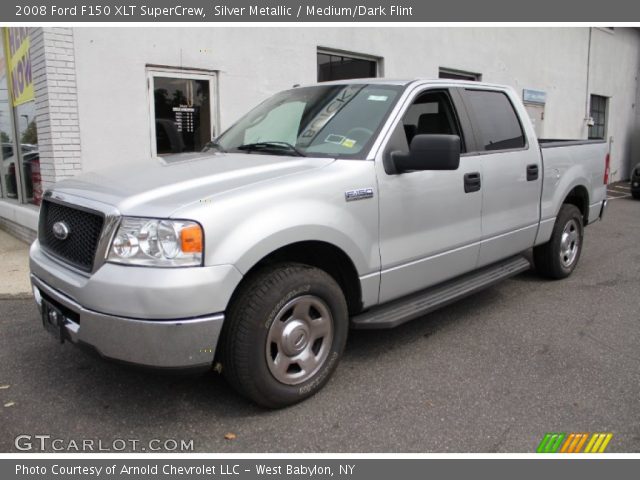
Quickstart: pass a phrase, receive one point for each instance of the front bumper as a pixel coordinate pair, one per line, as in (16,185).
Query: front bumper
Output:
(156,317)
(183,343)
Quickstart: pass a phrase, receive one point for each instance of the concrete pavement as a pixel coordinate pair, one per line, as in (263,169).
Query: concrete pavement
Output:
(14,267)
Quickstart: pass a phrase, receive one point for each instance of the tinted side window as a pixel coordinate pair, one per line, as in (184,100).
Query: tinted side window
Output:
(496,121)
(431,113)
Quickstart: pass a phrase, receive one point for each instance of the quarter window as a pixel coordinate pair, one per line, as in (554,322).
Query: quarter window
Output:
(496,120)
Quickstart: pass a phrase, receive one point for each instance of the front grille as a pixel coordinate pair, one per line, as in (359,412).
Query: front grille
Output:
(84,227)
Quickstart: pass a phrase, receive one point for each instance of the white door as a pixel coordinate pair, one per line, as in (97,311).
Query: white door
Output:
(511,175)
(430,228)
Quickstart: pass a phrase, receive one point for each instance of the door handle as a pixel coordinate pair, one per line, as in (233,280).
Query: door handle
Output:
(532,172)
(471,182)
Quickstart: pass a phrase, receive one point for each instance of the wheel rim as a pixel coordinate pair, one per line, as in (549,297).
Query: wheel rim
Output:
(299,340)
(569,243)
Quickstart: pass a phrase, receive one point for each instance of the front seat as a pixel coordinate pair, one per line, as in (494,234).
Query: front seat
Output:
(432,123)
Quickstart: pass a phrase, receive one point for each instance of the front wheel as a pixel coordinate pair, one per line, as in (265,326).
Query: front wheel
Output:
(284,334)
(559,256)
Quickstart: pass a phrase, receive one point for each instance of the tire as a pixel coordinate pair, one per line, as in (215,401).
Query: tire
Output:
(284,334)
(559,256)
(636,194)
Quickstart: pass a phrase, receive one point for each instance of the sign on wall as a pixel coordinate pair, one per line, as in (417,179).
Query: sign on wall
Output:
(16,41)
(534,96)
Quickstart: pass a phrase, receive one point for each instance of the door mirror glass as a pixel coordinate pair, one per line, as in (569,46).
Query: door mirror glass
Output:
(429,152)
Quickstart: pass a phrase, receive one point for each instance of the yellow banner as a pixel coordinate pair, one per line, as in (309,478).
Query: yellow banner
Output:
(16,42)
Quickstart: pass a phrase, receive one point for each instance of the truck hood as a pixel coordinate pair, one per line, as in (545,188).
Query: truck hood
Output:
(160,186)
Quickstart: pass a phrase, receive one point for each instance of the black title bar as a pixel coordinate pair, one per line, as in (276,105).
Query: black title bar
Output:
(66,11)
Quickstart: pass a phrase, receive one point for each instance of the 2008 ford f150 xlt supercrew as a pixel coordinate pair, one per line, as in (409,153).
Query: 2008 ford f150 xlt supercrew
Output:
(352,204)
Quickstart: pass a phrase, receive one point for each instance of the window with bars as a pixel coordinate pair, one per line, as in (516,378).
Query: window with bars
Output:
(598,113)
(454,74)
(335,66)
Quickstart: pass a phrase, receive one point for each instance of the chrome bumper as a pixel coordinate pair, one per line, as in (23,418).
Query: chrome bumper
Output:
(181,343)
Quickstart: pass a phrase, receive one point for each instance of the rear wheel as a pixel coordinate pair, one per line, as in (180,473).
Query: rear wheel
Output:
(284,334)
(559,256)
(636,194)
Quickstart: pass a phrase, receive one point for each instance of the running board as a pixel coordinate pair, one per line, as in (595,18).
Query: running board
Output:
(412,306)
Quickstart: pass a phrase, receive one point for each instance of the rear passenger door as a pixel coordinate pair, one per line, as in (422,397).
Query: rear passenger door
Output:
(511,173)
(429,220)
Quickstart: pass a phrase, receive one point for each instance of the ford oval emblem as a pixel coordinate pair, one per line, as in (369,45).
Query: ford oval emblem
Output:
(60,230)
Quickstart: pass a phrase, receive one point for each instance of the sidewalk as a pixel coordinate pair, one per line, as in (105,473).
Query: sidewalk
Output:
(14,267)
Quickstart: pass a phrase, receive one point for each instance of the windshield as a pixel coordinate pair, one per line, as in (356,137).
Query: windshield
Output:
(324,120)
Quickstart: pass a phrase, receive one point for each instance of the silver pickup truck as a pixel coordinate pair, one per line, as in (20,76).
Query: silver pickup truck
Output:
(352,204)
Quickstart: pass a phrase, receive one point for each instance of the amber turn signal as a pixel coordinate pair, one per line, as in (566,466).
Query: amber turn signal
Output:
(191,239)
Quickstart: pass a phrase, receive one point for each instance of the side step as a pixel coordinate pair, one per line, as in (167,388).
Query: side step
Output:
(412,306)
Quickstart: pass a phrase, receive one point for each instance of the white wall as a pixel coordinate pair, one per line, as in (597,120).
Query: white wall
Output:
(614,73)
(255,62)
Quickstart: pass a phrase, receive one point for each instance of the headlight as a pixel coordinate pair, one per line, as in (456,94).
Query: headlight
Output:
(157,243)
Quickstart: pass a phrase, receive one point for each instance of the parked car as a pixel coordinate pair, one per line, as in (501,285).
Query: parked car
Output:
(352,204)
(635,181)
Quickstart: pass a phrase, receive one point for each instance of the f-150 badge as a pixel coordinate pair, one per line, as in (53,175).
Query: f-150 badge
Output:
(359,194)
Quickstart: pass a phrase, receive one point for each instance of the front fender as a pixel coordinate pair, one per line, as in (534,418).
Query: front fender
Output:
(245,225)
(269,230)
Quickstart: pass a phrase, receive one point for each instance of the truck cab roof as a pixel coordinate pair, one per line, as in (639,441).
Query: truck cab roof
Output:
(407,82)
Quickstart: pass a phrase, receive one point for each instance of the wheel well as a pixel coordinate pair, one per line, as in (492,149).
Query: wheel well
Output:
(324,256)
(580,198)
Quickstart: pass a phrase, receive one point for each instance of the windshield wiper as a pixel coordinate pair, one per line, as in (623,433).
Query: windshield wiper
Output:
(209,145)
(272,146)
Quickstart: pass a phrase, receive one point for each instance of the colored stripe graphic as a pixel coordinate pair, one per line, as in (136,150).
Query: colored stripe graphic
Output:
(551,442)
(598,443)
(573,442)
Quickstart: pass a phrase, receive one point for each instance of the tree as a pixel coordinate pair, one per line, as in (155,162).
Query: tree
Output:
(30,135)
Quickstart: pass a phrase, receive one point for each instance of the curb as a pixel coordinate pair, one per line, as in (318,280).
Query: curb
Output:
(16,296)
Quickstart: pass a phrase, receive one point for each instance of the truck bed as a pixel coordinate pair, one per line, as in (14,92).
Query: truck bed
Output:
(568,163)
(561,142)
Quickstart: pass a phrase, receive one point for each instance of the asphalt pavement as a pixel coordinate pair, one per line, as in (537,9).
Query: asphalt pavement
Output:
(491,373)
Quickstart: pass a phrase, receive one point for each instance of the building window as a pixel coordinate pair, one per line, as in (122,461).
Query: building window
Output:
(598,114)
(454,74)
(183,110)
(20,169)
(338,66)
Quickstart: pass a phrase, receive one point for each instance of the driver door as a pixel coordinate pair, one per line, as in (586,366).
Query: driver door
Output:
(430,227)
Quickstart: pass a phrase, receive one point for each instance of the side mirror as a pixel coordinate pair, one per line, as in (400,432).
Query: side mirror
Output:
(429,152)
